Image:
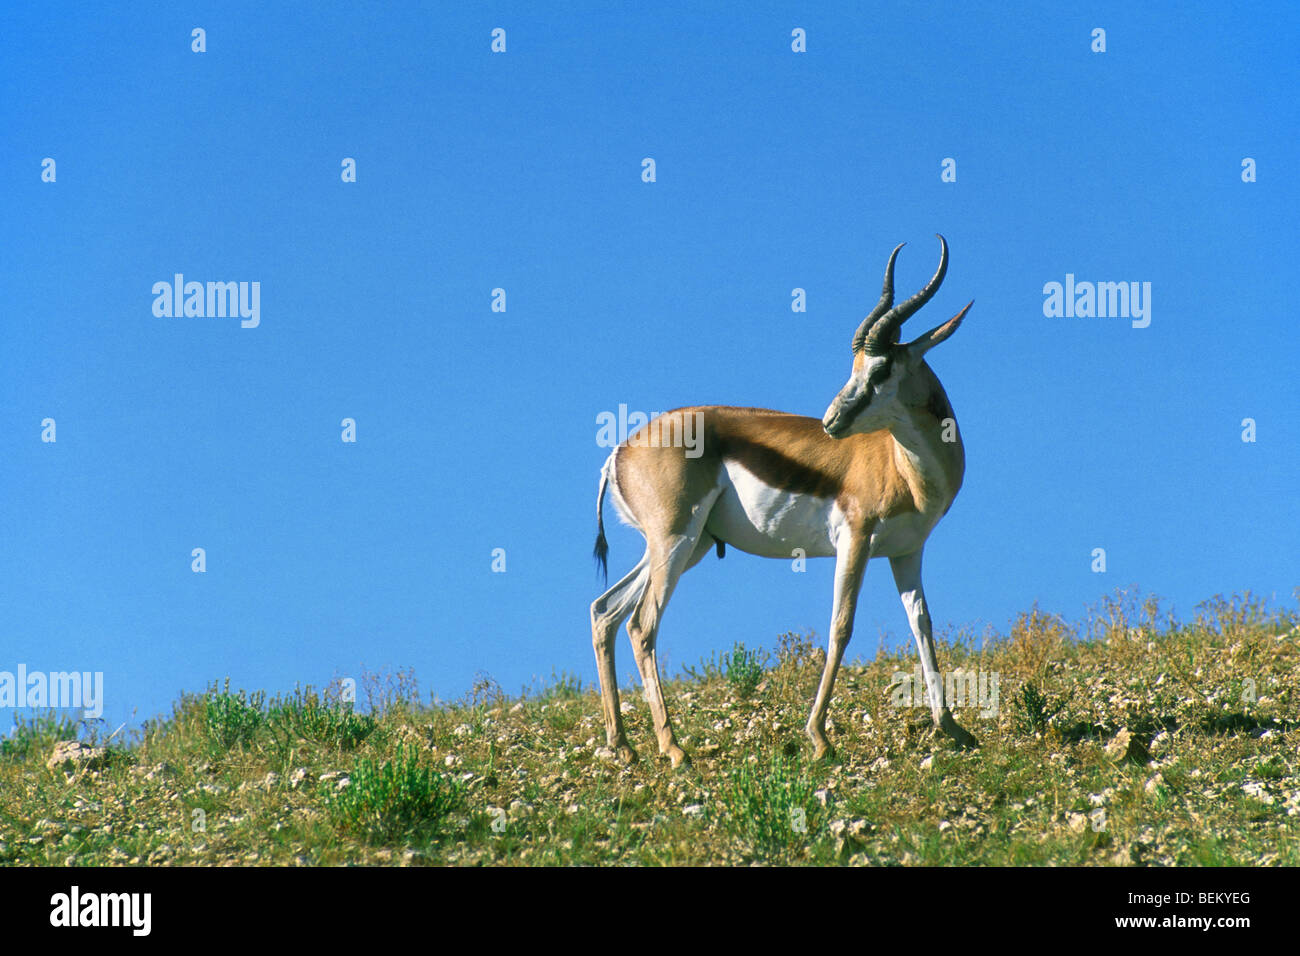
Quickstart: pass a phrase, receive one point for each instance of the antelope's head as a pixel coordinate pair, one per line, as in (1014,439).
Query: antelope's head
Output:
(890,378)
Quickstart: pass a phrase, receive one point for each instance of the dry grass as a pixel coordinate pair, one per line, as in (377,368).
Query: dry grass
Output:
(497,779)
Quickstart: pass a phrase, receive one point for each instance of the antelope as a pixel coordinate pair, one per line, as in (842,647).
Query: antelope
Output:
(871,479)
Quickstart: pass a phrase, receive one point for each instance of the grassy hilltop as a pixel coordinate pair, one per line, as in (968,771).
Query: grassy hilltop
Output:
(1145,741)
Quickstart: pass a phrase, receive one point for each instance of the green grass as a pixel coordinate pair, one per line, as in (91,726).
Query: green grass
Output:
(233,720)
(307,778)
(1034,712)
(34,738)
(769,809)
(744,669)
(401,796)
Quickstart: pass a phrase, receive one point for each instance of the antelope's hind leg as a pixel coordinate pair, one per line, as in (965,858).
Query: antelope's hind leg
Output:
(607,612)
(668,563)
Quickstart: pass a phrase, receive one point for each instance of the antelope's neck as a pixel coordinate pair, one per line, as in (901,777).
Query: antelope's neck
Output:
(929,456)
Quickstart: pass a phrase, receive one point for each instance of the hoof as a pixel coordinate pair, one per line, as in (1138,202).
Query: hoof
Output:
(678,756)
(626,754)
(957,733)
(822,749)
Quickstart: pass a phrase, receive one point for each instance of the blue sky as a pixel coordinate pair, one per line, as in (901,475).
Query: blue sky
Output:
(522,170)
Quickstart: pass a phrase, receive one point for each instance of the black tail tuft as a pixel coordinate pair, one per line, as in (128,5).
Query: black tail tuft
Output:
(601,551)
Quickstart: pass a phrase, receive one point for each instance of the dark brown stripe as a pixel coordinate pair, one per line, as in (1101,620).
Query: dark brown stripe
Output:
(778,470)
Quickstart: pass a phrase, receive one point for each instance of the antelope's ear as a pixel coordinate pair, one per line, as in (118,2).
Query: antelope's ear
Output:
(929,340)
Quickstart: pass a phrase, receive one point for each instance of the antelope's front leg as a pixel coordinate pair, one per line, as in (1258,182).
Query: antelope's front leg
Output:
(850,562)
(907,576)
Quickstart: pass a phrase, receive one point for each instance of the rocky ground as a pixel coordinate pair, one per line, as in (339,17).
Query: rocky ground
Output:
(1153,742)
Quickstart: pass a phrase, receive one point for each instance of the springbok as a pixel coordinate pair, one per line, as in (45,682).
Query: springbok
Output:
(868,480)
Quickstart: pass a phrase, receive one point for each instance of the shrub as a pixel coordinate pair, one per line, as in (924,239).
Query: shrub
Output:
(744,669)
(1034,710)
(771,808)
(332,723)
(395,798)
(36,736)
(233,719)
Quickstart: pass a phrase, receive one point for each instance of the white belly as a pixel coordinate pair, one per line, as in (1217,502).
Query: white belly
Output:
(770,522)
(757,518)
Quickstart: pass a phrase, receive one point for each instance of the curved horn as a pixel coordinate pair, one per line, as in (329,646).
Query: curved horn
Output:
(886,300)
(885,332)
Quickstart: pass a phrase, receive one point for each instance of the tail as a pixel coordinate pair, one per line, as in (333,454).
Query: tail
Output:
(601,551)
